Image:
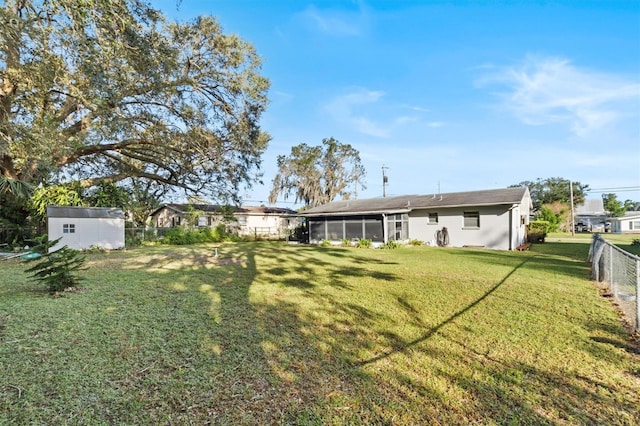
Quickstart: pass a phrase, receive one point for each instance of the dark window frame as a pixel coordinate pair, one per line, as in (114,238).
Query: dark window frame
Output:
(471,220)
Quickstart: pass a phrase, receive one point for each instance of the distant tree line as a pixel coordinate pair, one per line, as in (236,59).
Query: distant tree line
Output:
(551,199)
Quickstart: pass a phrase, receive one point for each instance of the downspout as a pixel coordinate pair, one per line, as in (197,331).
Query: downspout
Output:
(511,226)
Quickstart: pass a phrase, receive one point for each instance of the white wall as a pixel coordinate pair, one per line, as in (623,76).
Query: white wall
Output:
(106,233)
(493,232)
(266,224)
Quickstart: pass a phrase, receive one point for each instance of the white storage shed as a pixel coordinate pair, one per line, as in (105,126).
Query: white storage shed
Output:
(86,227)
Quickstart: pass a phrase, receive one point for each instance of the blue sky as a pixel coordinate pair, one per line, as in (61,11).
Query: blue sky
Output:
(449,95)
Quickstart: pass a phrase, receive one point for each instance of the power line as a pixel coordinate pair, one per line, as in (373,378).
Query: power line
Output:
(615,189)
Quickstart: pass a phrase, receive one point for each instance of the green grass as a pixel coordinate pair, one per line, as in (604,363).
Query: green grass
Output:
(269,333)
(624,241)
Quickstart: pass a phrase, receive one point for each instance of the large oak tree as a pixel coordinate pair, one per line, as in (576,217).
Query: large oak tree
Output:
(556,189)
(109,90)
(318,174)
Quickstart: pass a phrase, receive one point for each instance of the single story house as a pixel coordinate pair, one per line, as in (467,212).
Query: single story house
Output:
(591,215)
(85,227)
(495,219)
(271,222)
(627,224)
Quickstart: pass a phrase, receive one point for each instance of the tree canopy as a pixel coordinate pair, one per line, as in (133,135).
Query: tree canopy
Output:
(318,174)
(109,90)
(550,190)
(613,206)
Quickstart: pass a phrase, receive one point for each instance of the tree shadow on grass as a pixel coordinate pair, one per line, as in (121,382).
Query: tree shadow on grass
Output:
(513,391)
(434,330)
(269,364)
(226,341)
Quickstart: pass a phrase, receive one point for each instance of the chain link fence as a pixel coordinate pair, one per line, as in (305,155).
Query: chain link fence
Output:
(620,270)
(136,236)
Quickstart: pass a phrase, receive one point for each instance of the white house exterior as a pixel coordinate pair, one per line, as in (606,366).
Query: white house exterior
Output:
(85,227)
(627,224)
(495,219)
(269,222)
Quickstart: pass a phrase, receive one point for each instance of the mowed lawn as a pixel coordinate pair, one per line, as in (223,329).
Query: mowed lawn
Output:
(270,333)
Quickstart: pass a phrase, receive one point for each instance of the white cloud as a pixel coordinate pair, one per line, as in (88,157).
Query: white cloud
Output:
(552,90)
(338,23)
(435,124)
(347,109)
(363,111)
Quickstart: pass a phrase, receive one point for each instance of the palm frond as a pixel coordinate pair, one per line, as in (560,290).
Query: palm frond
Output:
(16,187)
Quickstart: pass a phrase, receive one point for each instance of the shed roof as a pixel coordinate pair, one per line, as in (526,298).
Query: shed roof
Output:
(85,212)
(405,203)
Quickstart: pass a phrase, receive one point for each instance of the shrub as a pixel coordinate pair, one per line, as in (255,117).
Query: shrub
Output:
(416,242)
(540,226)
(299,233)
(346,242)
(391,244)
(184,236)
(57,268)
(364,243)
(537,230)
(635,242)
(325,243)
(549,218)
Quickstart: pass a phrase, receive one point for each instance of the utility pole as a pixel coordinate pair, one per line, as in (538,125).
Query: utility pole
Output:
(573,225)
(385,180)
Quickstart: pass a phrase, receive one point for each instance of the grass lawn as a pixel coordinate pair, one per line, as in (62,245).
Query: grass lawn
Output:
(269,333)
(624,241)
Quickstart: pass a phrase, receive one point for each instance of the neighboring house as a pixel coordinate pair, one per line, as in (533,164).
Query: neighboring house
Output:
(495,219)
(85,227)
(627,224)
(249,220)
(591,215)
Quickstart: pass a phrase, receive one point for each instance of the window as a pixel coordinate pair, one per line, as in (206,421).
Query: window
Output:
(68,228)
(432,219)
(338,228)
(398,227)
(353,229)
(471,220)
(335,229)
(373,229)
(635,225)
(316,229)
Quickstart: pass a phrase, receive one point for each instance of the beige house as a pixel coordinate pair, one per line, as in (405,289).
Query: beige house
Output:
(265,222)
(495,219)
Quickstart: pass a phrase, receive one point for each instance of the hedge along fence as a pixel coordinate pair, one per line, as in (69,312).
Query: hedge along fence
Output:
(620,270)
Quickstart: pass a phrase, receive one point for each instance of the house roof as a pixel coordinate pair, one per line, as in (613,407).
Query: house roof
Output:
(406,203)
(593,206)
(85,212)
(631,215)
(213,208)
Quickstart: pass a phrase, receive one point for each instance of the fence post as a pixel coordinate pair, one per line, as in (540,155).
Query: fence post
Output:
(611,282)
(637,294)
